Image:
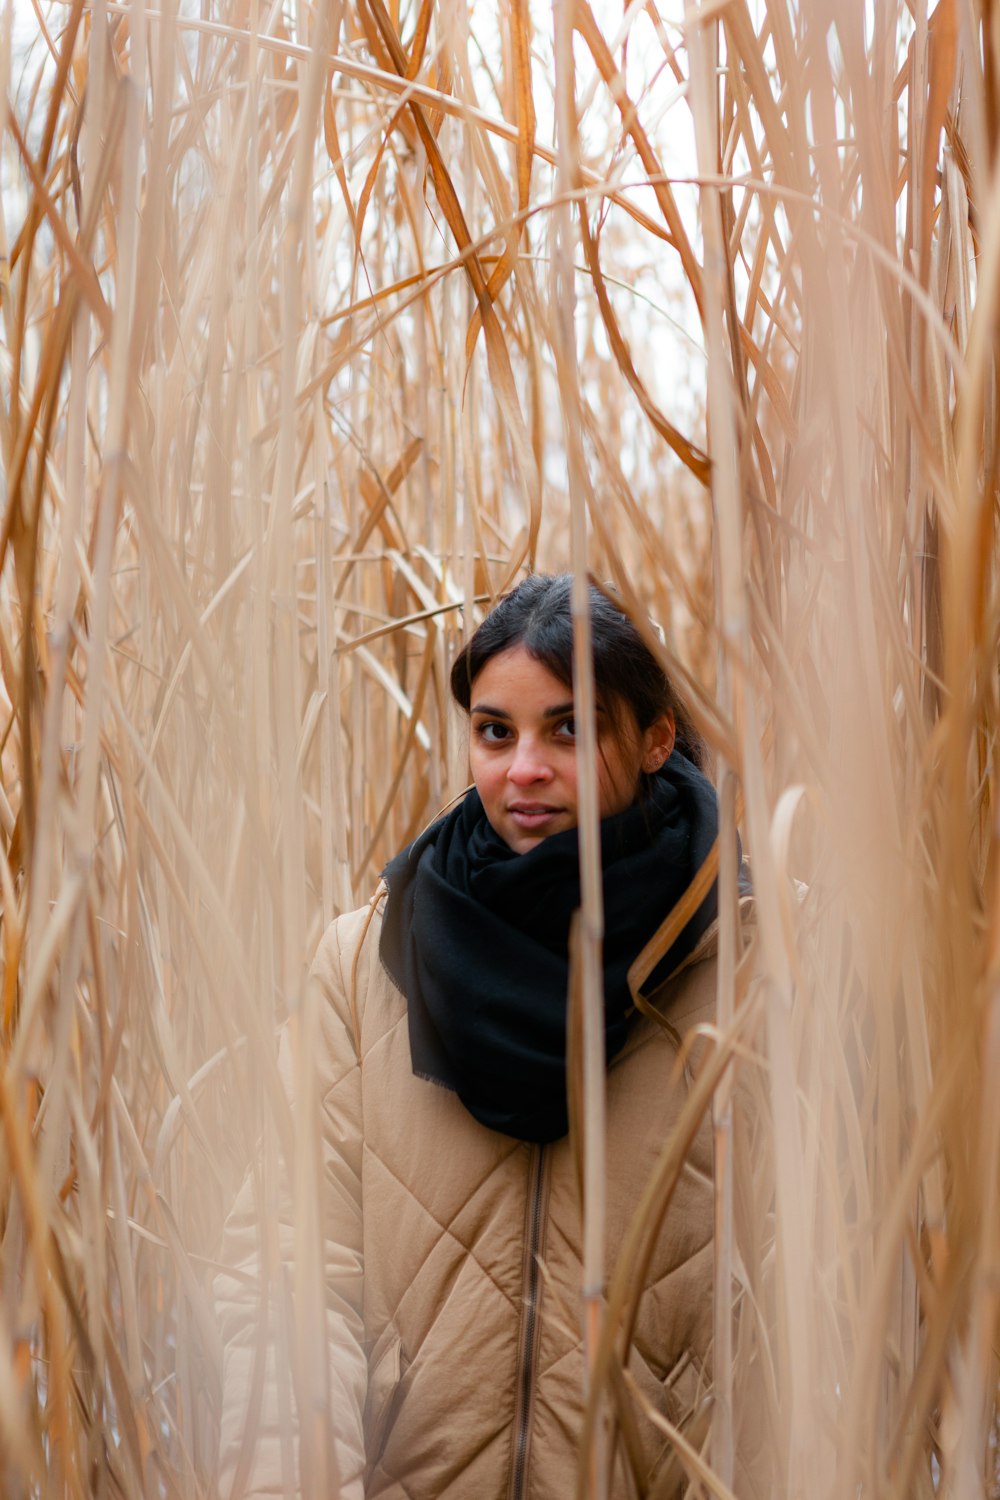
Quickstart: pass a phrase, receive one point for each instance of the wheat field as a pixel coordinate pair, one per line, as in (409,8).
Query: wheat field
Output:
(320,325)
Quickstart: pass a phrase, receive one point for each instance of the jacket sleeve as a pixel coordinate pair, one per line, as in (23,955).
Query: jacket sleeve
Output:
(294,1339)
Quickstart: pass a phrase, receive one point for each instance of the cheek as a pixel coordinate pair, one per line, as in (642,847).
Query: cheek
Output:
(617,780)
(486,773)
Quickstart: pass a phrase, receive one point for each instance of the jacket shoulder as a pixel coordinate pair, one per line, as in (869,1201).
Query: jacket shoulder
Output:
(347,967)
(689,994)
(341,945)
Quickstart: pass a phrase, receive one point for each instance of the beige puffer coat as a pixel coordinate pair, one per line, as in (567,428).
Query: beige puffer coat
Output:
(453,1264)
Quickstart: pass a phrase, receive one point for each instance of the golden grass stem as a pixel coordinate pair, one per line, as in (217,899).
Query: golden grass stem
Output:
(702,47)
(591,929)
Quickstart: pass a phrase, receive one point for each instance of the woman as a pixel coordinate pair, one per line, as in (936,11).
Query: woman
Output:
(452,1224)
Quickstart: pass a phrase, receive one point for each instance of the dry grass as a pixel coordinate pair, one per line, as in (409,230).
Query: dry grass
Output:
(289,392)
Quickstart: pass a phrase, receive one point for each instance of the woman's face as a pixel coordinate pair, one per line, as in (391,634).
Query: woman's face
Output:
(522,751)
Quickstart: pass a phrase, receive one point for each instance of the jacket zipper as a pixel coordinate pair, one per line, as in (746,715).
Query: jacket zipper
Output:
(528,1344)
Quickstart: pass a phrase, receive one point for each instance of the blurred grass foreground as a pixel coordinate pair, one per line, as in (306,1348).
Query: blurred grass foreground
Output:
(319,324)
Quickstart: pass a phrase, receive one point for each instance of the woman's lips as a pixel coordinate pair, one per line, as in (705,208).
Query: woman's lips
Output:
(532,816)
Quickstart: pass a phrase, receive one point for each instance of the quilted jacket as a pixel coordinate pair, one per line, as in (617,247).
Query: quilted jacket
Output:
(452,1266)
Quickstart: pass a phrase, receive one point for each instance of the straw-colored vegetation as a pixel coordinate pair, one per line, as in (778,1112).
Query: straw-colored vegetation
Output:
(291,386)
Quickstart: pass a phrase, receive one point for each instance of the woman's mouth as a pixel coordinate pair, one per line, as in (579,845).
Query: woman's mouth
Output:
(530,816)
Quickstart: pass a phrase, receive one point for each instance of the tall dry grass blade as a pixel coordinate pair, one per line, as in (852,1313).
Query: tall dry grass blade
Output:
(732,679)
(590,930)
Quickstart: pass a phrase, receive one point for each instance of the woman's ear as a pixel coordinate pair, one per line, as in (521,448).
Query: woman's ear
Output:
(658,741)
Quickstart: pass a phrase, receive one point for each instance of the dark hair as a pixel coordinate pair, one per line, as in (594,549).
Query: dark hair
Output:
(536,615)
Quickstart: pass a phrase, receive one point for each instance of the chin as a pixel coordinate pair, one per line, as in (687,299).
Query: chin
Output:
(522,841)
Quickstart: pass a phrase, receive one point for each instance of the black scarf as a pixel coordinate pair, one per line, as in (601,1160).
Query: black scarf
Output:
(476,937)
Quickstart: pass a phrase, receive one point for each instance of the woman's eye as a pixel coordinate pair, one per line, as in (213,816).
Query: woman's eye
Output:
(567,728)
(492,732)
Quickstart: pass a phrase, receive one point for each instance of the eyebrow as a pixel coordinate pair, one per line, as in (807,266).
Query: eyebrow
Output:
(555,712)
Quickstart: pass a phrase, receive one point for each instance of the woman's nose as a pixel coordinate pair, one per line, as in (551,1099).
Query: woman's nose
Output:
(528,764)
